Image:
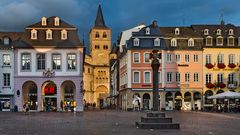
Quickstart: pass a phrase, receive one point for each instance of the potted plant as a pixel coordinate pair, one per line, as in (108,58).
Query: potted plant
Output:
(210,85)
(221,85)
(231,65)
(209,65)
(221,65)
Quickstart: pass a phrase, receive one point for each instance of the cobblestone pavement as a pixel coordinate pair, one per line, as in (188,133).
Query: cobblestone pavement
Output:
(114,123)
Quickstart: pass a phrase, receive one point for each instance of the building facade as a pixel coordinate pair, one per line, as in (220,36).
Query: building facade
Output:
(96,66)
(48,60)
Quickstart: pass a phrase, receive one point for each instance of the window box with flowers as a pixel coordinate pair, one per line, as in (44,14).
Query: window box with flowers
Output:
(231,65)
(209,65)
(221,65)
(221,85)
(210,85)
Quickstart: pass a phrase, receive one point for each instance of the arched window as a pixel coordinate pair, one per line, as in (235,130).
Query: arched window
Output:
(208,41)
(49,34)
(174,42)
(206,32)
(230,32)
(218,32)
(177,31)
(6,40)
(190,42)
(56,21)
(63,35)
(230,41)
(104,35)
(33,34)
(136,42)
(44,21)
(97,35)
(219,40)
(147,31)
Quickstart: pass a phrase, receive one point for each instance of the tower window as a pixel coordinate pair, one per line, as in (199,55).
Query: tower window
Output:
(104,35)
(97,47)
(97,35)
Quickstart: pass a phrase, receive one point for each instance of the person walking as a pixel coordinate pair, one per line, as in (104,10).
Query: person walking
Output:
(27,107)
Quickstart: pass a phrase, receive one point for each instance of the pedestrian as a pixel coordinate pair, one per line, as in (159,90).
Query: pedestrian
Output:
(27,107)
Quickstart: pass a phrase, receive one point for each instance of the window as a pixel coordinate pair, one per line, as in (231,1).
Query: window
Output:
(105,47)
(97,47)
(187,57)
(169,57)
(230,41)
(231,59)
(208,41)
(104,35)
(6,59)
(136,77)
(230,32)
(177,32)
(177,57)
(206,32)
(63,35)
(159,77)
(190,42)
(56,62)
(146,57)
(41,61)
(147,77)
(136,42)
(187,77)
(196,75)
(218,32)
(6,79)
(157,42)
(195,57)
(136,57)
(169,76)
(208,59)
(26,61)
(33,34)
(6,40)
(71,61)
(97,35)
(49,34)
(89,70)
(174,42)
(147,31)
(220,78)
(208,78)
(44,21)
(231,78)
(178,77)
(220,58)
(56,21)
(219,41)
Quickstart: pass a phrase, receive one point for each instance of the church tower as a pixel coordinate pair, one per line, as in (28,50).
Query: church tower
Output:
(96,66)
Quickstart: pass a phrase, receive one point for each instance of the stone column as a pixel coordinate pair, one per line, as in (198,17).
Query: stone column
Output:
(79,96)
(192,101)
(59,97)
(40,100)
(173,93)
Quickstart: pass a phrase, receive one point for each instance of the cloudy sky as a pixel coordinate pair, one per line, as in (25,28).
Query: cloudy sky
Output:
(119,14)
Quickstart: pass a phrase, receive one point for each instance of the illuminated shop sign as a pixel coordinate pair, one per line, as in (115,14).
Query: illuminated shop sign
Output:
(50,89)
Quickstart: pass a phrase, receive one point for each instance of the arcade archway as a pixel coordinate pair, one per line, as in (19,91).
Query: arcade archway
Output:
(101,94)
(49,96)
(29,95)
(68,97)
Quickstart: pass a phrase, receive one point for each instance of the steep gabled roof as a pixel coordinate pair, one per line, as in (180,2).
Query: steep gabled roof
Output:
(99,22)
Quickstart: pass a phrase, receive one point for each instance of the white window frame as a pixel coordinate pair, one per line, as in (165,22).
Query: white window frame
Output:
(208,59)
(44,21)
(187,58)
(220,78)
(6,79)
(178,77)
(178,57)
(208,78)
(6,40)
(136,42)
(191,42)
(56,21)
(7,58)
(139,78)
(219,37)
(147,31)
(174,42)
(220,58)
(64,32)
(187,77)
(196,77)
(196,58)
(206,32)
(138,57)
(231,59)
(157,42)
(211,41)
(145,57)
(144,75)
(169,74)
(177,31)
(169,57)
(33,34)
(47,33)
(230,37)
(230,32)
(219,32)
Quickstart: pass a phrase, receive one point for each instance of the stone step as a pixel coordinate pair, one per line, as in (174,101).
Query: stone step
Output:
(161,126)
(156,120)
(156,114)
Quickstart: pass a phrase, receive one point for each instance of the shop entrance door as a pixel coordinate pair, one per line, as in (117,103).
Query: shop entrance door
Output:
(50,104)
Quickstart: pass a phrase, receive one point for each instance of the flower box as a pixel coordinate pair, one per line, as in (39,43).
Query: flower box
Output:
(221,85)
(221,66)
(209,65)
(231,65)
(210,85)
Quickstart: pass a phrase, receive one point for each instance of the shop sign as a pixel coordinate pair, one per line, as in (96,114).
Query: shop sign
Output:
(50,89)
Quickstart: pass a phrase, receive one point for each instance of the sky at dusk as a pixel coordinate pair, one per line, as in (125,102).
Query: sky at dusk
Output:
(119,15)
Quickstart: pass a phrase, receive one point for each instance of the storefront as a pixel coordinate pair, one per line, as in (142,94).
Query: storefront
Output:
(6,103)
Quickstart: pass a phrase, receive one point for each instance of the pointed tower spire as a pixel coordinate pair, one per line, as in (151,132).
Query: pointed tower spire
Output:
(99,22)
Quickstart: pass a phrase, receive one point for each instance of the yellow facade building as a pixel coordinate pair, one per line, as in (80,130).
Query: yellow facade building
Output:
(96,66)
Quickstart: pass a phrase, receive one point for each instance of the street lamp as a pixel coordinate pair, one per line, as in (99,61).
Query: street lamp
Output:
(155,56)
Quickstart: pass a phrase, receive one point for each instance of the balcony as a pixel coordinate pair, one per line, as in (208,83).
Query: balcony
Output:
(232,84)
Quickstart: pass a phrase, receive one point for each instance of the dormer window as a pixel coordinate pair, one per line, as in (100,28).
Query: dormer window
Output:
(136,42)
(230,32)
(208,41)
(49,34)
(157,42)
(33,34)
(104,35)
(147,31)
(190,42)
(6,40)
(177,32)
(44,21)
(230,41)
(97,35)
(56,21)
(220,41)
(218,32)
(173,42)
(206,32)
(63,35)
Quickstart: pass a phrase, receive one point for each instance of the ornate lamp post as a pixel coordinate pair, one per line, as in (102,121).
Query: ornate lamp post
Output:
(155,56)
